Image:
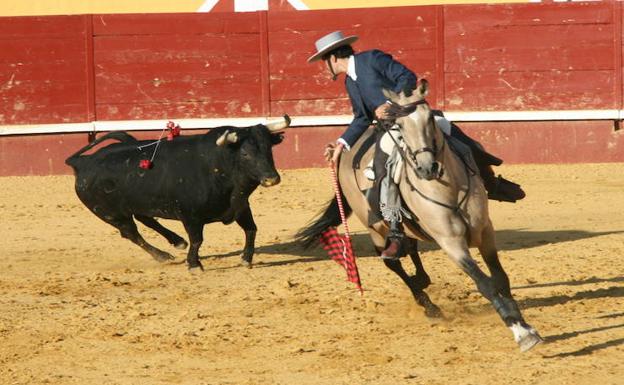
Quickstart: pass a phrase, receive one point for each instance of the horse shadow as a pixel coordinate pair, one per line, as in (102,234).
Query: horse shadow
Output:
(521,239)
(507,240)
(609,292)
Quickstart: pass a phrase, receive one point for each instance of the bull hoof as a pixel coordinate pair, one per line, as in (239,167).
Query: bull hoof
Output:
(163,256)
(247,257)
(181,245)
(196,267)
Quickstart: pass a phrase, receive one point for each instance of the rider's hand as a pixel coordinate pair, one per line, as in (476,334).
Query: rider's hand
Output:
(332,152)
(381,112)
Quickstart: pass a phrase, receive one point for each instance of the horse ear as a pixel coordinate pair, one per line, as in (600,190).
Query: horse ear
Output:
(423,88)
(390,95)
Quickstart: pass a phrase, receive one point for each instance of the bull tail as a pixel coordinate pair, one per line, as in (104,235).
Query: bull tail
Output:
(116,135)
(309,235)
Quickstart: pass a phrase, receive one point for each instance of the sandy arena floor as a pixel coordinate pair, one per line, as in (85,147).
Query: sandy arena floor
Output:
(81,305)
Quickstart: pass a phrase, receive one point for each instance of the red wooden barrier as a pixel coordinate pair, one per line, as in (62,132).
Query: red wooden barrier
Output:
(43,70)
(62,69)
(161,66)
(528,57)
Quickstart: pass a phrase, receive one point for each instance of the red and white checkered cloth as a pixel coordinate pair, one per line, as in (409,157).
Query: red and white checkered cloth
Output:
(339,249)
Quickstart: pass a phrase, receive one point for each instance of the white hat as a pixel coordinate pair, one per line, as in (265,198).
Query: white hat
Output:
(330,42)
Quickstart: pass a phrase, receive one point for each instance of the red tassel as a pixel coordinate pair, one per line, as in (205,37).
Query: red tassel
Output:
(145,164)
(174,130)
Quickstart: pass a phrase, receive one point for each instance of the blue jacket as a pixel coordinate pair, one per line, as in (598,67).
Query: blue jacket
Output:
(375,71)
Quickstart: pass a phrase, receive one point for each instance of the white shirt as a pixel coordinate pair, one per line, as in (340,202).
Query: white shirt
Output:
(350,73)
(351,68)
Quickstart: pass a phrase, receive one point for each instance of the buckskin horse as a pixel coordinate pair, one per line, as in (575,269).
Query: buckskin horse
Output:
(447,202)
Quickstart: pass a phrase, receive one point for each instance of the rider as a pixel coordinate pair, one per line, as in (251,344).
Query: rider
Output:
(367,73)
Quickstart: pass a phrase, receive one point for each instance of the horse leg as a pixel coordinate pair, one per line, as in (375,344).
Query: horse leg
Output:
(506,307)
(415,285)
(169,235)
(524,334)
(195,231)
(421,279)
(490,257)
(246,221)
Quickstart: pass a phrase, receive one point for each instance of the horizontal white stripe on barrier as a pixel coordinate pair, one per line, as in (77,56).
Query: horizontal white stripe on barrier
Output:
(302,121)
(511,116)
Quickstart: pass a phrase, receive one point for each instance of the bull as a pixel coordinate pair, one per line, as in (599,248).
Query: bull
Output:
(196,179)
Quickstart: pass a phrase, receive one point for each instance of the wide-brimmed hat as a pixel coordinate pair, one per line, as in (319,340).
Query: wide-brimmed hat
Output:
(330,42)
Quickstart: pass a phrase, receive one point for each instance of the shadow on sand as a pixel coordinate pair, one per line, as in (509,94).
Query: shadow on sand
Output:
(363,247)
(507,240)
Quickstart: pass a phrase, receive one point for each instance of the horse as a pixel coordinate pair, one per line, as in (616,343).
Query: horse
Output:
(447,203)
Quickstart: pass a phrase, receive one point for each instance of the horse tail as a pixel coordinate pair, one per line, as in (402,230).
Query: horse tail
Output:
(308,235)
(117,135)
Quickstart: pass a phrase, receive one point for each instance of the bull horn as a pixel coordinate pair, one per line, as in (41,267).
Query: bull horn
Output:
(279,125)
(227,137)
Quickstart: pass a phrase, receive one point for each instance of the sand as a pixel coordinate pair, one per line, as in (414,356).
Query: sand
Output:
(81,305)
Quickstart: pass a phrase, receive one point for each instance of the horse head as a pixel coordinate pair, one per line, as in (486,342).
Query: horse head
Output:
(422,138)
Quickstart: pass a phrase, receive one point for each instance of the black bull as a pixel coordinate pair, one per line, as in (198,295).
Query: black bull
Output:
(197,179)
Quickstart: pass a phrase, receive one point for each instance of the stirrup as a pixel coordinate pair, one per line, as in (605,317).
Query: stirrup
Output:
(394,247)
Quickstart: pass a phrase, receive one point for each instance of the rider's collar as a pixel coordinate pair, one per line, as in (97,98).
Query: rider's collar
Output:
(351,68)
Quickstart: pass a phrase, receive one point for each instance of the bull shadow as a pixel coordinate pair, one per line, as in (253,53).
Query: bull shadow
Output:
(362,247)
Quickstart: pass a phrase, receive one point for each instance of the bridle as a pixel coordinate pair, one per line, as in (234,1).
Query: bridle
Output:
(396,111)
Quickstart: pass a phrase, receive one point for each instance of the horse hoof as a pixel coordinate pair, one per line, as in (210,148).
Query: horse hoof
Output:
(433,311)
(246,263)
(525,336)
(422,281)
(529,341)
(181,245)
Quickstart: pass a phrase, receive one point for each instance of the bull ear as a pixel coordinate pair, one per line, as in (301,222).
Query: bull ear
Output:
(226,138)
(279,125)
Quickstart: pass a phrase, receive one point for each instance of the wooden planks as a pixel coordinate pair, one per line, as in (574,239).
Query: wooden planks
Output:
(409,34)
(530,56)
(177,66)
(43,73)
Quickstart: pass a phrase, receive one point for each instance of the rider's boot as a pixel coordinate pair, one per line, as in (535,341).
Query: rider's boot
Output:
(499,188)
(394,242)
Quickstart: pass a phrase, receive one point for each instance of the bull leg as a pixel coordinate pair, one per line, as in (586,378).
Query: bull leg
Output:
(506,307)
(246,222)
(128,230)
(169,235)
(195,232)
